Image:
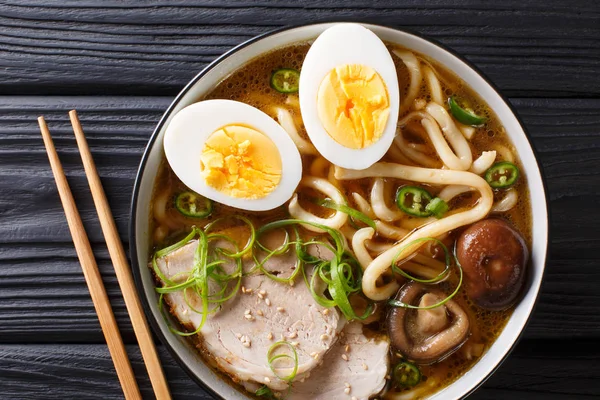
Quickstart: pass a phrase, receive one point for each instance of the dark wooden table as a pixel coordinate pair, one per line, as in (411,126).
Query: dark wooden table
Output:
(120,66)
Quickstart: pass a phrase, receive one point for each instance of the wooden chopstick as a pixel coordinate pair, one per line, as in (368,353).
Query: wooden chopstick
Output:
(91,272)
(121,265)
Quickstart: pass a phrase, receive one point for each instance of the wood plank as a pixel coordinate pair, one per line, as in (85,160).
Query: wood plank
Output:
(45,300)
(564,132)
(43,296)
(78,47)
(545,370)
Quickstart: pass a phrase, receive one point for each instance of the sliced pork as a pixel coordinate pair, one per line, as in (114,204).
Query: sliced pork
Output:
(239,333)
(355,368)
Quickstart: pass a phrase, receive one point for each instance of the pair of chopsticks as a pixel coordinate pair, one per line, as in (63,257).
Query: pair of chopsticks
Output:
(92,274)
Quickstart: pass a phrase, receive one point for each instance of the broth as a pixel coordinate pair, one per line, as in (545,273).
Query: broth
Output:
(250,84)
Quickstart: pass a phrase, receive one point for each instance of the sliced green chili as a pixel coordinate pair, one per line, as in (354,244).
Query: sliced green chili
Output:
(437,207)
(418,202)
(406,374)
(285,80)
(352,213)
(413,201)
(464,115)
(193,205)
(502,175)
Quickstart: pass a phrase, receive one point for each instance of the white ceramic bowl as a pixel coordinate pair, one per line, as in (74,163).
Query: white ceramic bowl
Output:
(181,349)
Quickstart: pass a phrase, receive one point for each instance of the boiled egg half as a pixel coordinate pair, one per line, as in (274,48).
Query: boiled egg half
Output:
(234,154)
(349,97)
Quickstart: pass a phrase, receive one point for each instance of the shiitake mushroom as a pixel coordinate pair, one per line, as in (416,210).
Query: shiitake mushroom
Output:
(494,258)
(426,336)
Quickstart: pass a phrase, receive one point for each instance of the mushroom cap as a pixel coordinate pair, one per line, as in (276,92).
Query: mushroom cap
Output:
(494,258)
(426,336)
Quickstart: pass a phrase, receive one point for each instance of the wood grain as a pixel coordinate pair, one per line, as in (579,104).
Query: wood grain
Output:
(75,47)
(119,64)
(43,295)
(121,265)
(540,370)
(93,279)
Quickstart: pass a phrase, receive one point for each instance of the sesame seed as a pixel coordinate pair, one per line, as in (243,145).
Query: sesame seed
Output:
(238,335)
(260,296)
(249,290)
(270,336)
(248,317)
(316,356)
(353,398)
(243,289)
(280,309)
(313,354)
(324,337)
(344,357)
(326,311)
(268,302)
(347,390)
(293,335)
(295,344)
(267,379)
(262,292)
(292,283)
(259,312)
(365,366)
(247,312)
(347,348)
(185,311)
(246,344)
(346,384)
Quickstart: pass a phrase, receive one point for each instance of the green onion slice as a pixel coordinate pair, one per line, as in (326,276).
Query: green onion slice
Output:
(193,205)
(406,374)
(266,392)
(271,358)
(440,277)
(285,80)
(437,207)
(246,221)
(352,213)
(464,115)
(197,279)
(342,274)
(502,175)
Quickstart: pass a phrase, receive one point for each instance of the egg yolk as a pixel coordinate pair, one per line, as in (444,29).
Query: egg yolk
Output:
(353,105)
(241,162)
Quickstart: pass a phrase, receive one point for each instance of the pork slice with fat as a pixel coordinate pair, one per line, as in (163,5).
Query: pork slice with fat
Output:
(239,333)
(354,368)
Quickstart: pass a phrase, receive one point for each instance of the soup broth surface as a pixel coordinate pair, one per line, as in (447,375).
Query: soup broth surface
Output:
(250,84)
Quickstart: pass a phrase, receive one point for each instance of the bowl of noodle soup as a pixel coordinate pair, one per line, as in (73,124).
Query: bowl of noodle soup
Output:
(428,75)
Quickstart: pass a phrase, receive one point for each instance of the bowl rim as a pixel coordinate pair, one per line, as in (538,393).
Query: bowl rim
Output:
(138,179)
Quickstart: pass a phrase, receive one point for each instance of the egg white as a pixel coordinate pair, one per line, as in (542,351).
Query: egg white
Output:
(347,43)
(190,128)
